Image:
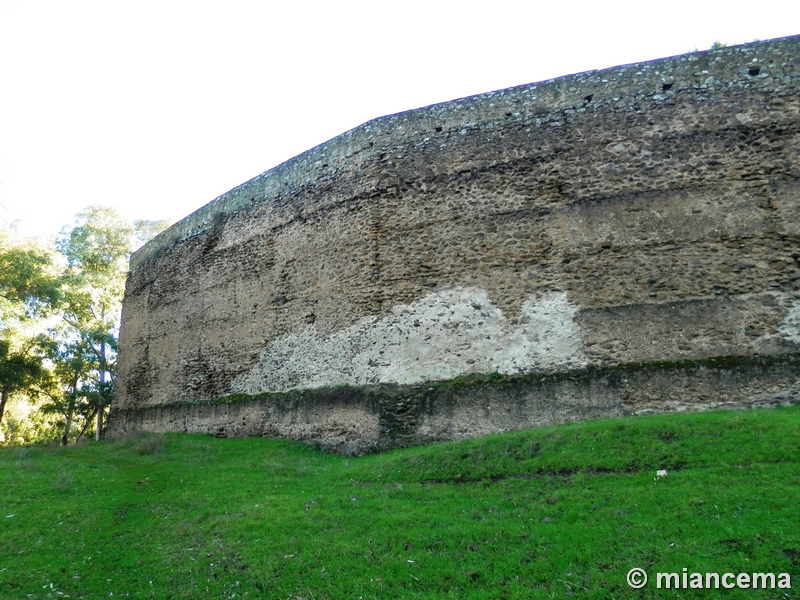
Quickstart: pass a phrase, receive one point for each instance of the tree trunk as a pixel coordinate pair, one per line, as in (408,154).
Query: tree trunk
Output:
(85,426)
(70,410)
(98,432)
(3,398)
(67,426)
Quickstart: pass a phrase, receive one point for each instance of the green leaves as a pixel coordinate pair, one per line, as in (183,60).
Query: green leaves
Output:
(29,288)
(83,289)
(19,372)
(17,369)
(29,283)
(98,243)
(97,249)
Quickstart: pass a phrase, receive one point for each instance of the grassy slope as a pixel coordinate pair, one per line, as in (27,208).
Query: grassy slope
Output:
(551,512)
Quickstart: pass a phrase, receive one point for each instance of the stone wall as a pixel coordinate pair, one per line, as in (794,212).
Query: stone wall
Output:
(640,214)
(359,420)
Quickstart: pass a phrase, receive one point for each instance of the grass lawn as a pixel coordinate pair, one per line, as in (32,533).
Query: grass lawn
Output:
(553,512)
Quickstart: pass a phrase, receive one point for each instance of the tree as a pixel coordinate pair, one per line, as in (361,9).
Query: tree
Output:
(19,372)
(74,363)
(26,283)
(29,288)
(72,390)
(97,250)
(29,282)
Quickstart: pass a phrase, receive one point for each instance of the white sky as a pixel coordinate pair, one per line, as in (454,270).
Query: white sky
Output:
(157,107)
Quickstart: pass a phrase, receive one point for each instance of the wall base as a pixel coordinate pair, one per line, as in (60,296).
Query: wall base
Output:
(361,420)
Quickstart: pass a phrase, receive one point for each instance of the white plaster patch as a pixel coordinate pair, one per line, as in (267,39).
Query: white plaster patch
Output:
(790,326)
(448,333)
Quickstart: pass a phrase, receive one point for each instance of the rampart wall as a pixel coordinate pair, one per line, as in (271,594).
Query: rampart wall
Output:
(643,216)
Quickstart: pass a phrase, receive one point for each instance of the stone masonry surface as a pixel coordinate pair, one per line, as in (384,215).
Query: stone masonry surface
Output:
(647,213)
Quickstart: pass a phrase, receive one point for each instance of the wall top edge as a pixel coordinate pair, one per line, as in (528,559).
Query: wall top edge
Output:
(746,65)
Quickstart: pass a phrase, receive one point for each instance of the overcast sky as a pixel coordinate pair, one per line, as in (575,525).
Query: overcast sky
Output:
(158,107)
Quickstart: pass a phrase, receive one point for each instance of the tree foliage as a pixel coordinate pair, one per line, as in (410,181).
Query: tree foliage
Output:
(29,281)
(73,364)
(97,249)
(20,371)
(30,288)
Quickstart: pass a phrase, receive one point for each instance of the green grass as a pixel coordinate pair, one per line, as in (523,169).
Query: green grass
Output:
(548,513)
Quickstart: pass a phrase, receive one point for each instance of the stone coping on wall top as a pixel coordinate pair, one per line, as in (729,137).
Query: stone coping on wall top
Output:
(744,65)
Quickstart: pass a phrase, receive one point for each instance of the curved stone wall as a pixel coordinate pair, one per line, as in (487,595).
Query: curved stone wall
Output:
(640,214)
